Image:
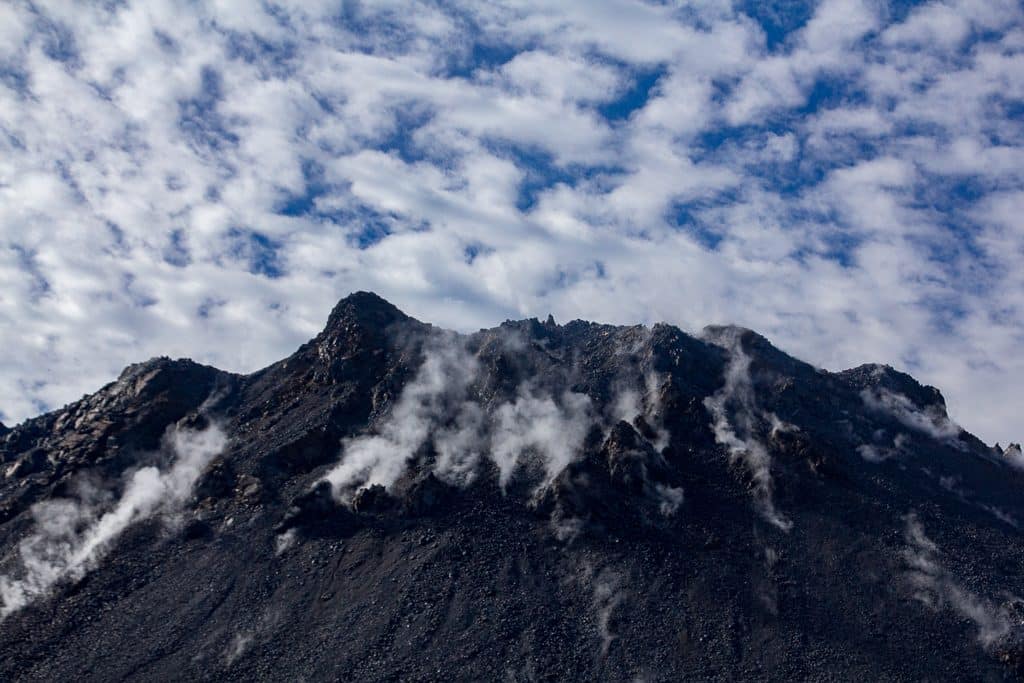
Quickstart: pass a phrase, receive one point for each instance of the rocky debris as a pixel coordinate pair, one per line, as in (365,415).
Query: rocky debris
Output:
(310,450)
(361,332)
(217,481)
(1011,451)
(249,489)
(797,446)
(196,529)
(32,462)
(763,354)
(374,499)
(624,483)
(428,496)
(632,461)
(365,309)
(1013,658)
(313,505)
(647,556)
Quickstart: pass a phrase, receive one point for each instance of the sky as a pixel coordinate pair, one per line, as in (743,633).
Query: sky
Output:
(206,179)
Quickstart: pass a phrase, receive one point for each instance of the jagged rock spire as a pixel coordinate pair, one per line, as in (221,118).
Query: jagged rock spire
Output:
(363,308)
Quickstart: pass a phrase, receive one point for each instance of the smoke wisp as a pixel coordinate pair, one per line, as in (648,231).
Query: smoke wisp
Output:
(439,385)
(930,421)
(461,445)
(535,424)
(736,423)
(608,596)
(71,536)
(937,588)
(876,453)
(631,403)
(436,408)
(608,589)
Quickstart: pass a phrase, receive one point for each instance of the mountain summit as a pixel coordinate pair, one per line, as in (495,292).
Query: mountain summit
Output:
(530,502)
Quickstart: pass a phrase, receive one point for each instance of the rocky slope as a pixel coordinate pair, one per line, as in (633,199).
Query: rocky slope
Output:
(530,502)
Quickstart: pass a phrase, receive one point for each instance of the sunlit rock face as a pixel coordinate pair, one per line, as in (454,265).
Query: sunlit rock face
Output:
(534,501)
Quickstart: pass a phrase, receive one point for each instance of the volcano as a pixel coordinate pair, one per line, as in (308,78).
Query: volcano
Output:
(532,502)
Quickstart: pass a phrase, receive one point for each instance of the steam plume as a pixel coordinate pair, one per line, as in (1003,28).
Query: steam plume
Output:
(937,588)
(381,458)
(740,433)
(928,420)
(71,537)
(536,423)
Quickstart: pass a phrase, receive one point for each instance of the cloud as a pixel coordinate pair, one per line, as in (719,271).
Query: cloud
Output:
(70,537)
(840,183)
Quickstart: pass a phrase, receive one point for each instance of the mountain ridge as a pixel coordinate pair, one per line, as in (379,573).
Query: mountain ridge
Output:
(368,309)
(538,493)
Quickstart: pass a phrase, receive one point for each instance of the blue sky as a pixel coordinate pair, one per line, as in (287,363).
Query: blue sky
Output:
(207,179)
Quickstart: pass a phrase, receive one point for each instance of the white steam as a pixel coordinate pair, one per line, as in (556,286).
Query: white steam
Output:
(937,588)
(282,542)
(256,634)
(740,433)
(237,647)
(953,485)
(607,596)
(877,454)
(873,453)
(630,403)
(930,420)
(381,458)
(460,446)
(435,408)
(627,406)
(608,593)
(536,425)
(440,413)
(565,529)
(71,537)
(668,498)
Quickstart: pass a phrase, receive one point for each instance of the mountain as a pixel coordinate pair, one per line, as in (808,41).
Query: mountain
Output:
(395,502)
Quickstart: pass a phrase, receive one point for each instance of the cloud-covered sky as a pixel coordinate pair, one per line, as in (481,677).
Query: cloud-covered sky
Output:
(207,179)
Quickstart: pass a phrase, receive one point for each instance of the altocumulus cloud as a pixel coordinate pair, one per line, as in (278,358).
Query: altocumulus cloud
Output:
(205,179)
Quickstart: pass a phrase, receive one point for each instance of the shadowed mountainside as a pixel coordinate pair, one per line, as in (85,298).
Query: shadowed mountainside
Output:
(530,502)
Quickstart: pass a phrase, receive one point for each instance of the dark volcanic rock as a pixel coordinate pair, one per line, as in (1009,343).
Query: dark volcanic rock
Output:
(530,502)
